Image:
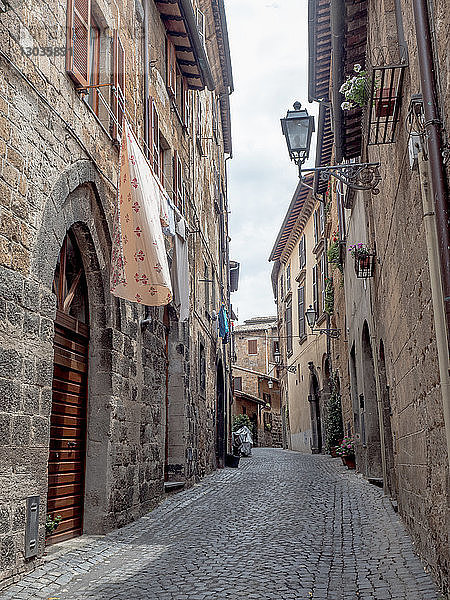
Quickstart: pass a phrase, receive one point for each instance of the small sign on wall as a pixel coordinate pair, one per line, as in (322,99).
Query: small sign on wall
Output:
(32,527)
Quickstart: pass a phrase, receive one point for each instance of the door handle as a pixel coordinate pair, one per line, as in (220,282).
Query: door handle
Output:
(71,444)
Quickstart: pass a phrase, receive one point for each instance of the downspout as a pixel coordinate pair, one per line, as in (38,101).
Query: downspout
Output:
(436,289)
(337,49)
(146,77)
(438,241)
(432,128)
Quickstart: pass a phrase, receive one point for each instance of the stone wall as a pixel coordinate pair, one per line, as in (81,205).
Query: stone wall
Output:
(58,172)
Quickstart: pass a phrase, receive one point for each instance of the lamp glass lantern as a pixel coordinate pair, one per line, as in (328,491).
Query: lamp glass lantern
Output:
(297,126)
(270,384)
(311,316)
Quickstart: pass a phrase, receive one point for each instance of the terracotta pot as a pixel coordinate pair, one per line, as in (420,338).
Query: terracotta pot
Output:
(350,461)
(384,106)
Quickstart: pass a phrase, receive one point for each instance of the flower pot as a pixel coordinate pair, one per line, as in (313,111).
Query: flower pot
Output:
(384,103)
(349,461)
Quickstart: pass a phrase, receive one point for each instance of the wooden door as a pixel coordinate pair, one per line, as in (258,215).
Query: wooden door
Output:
(70,377)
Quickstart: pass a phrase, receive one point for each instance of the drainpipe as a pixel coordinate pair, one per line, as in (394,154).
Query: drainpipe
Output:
(337,67)
(432,128)
(146,76)
(434,198)
(432,241)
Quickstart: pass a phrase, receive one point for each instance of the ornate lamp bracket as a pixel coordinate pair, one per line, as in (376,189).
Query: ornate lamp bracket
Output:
(358,176)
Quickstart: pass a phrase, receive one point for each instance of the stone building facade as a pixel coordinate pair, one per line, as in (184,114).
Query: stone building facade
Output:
(145,393)
(255,378)
(396,320)
(299,279)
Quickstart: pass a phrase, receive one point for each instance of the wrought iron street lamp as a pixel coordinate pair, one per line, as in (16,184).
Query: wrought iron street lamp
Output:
(298,127)
(277,357)
(311,319)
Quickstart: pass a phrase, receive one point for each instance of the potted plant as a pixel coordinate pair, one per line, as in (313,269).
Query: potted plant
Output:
(355,89)
(51,523)
(346,450)
(361,253)
(334,252)
(333,422)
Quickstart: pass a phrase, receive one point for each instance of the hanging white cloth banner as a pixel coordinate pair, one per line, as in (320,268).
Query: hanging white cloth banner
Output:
(139,267)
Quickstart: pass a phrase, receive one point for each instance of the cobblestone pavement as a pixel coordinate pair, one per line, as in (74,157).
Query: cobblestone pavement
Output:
(284,526)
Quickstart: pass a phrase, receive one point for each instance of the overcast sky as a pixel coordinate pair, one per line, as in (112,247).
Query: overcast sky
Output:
(269,54)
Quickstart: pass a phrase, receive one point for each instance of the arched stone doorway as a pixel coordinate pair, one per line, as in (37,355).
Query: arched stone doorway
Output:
(220,415)
(68,420)
(372,466)
(314,403)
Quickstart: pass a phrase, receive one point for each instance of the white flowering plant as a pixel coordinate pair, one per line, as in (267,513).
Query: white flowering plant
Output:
(355,89)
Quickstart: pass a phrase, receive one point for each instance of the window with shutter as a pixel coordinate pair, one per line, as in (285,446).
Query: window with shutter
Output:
(178,187)
(171,69)
(237,383)
(252,346)
(302,252)
(322,282)
(186,105)
(315,290)
(78,40)
(119,86)
(94,61)
(322,218)
(316,227)
(153,138)
(288,278)
(288,323)
(301,312)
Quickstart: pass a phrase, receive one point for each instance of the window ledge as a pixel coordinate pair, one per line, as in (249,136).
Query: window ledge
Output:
(301,276)
(318,247)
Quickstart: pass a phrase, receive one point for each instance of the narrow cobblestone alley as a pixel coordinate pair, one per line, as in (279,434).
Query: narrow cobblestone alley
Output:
(284,526)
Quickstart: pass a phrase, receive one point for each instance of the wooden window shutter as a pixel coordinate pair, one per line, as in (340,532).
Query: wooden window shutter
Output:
(119,85)
(186,108)
(253,346)
(171,68)
(77,46)
(154,137)
(175,178)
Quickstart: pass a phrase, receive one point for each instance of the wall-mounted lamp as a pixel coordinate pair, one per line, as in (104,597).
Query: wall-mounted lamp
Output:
(298,127)
(311,318)
(277,357)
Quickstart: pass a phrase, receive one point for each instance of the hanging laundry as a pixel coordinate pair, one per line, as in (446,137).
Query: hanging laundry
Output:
(180,270)
(223,323)
(139,267)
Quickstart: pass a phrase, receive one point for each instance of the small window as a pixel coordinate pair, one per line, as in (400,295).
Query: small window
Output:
(288,278)
(267,400)
(202,366)
(301,312)
(302,252)
(316,227)
(288,325)
(178,183)
(253,346)
(119,86)
(171,81)
(315,289)
(237,383)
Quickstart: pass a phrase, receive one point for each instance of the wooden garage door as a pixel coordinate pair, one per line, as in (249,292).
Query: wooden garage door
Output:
(70,375)
(68,427)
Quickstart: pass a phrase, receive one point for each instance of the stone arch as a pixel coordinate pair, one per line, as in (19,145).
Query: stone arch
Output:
(77,203)
(369,406)
(314,404)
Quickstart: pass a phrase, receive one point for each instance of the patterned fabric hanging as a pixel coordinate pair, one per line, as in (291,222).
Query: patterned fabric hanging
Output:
(139,267)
